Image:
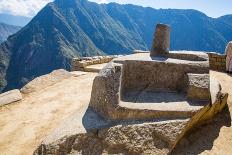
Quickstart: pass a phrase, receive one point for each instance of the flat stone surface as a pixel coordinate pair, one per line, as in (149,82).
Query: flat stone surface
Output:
(80,122)
(45,81)
(89,129)
(160,101)
(147,57)
(22,131)
(25,125)
(78,73)
(10,97)
(95,68)
(168,102)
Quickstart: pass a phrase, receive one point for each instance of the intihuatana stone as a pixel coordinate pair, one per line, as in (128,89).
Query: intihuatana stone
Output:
(161,42)
(141,87)
(142,103)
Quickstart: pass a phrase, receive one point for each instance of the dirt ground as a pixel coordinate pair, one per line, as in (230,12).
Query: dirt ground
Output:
(25,124)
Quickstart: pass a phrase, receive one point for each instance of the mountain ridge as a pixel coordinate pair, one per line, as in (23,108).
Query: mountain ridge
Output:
(14,19)
(74,28)
(6,30)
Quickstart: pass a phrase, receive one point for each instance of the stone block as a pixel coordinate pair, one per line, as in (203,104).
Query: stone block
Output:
(89,62)
(219,59)
(198,86)
(82,64)
(217,63)
(76,59)
(10,97)
(102,60)
(87,58)
(214,55)
(96,61)
(221,68)
(109,58)
(106,60)
(213,59)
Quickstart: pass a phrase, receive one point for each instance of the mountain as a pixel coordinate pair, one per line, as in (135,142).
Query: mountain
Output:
(14,20)
(7,30)
(73,28)
(227,19)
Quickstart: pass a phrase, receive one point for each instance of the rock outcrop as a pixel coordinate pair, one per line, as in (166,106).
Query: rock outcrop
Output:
(10,97)
(105,129)
(141,104)
(45,81)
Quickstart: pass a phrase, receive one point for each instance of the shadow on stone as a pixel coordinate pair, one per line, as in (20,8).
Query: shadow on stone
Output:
(154,97)
(159,58)
(229,74)
(93,121)
(203,137)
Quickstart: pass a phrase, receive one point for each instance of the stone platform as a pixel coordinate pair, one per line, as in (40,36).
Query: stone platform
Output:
(128,122)
(142,103)
(139,86)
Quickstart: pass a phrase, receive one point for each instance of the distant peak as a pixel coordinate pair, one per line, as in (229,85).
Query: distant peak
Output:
(69,1)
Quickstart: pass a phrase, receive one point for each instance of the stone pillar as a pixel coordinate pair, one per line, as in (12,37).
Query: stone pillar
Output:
(229,57)
(161,41)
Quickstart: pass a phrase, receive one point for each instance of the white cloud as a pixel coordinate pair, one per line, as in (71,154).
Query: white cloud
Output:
(100,1)
(212,8)
(22,7)
(103,1)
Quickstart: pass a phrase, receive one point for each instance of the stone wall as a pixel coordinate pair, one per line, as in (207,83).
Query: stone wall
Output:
(79,64)
(217,62)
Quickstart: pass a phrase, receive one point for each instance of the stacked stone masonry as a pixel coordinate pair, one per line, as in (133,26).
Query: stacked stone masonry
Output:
(79,64)
(217,62)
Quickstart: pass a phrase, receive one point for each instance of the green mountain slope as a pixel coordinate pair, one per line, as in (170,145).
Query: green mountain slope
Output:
(7,30)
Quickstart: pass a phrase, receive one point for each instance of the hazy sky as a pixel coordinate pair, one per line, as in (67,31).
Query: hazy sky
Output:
(213,8)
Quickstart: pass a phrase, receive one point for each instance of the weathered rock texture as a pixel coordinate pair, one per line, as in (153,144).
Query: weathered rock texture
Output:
(158,132)
(45,81)
(142,104)
(99,136)
(229,57)
(81,64)
(140,87)
(161,42)
(198,86)
(10,97)
(217,62)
